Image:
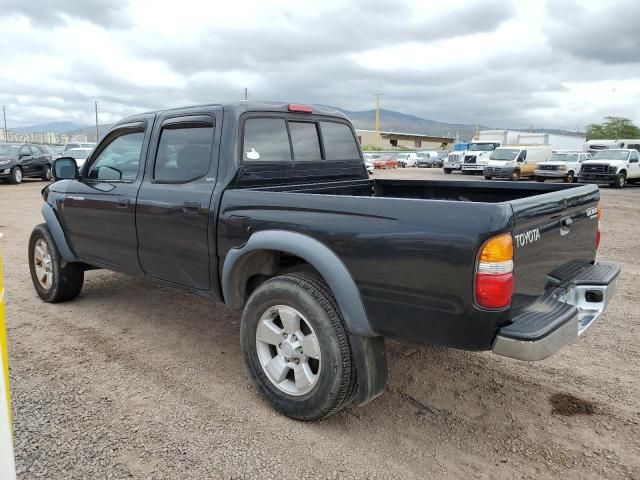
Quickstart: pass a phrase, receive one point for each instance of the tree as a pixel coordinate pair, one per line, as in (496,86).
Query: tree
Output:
(613,128)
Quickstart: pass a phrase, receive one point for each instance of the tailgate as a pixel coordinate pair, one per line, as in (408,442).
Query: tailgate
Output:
(553,232)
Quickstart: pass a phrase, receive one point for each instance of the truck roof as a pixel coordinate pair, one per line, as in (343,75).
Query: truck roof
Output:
(239,107)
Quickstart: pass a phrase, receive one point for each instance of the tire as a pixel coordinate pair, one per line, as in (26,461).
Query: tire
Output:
(540,179)
(515,175)
(62,283)
(621,180)
(487,177)
(334,381)
(15,177)
(447,171)
(46,174)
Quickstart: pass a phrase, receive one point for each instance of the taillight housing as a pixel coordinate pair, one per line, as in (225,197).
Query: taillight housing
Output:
(493,283)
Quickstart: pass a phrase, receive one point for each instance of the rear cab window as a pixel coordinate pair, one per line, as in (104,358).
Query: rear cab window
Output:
(293,140)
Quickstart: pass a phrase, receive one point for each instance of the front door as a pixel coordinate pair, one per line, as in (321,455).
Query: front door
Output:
(26,160)
(174,213)
(98,211)
(634,165)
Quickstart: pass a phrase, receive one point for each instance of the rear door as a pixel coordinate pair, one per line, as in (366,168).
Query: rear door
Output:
(39,160)
(26,160)
(174,214)
(552,231)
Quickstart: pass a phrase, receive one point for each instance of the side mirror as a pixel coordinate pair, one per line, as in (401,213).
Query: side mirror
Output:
(65,168)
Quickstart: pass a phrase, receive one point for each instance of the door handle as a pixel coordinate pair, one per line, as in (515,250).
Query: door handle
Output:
(191,207)
(123,203)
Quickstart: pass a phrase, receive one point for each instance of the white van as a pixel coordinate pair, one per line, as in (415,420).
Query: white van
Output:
(516,161)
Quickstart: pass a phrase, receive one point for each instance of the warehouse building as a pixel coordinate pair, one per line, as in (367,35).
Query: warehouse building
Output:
(391,140)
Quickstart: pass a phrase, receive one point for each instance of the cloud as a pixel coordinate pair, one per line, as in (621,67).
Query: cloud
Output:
(513,63)
(51,13)
(608,34)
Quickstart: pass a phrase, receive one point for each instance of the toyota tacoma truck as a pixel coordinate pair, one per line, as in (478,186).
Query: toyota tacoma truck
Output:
(268,208)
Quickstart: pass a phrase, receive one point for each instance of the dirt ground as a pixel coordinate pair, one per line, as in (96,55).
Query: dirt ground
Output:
(135,380)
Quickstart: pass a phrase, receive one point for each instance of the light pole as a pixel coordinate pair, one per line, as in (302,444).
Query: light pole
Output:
(378,95)
(4,115)
(97,134)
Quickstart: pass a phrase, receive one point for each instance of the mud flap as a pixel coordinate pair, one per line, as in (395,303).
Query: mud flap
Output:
(371,363)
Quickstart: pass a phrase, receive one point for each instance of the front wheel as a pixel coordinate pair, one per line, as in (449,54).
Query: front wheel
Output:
(53,281)
(296,347)
(515,175)
(16,176)
(447,171)
(621,181)
(46,174)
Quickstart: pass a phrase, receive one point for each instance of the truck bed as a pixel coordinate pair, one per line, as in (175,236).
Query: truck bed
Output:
(461,191)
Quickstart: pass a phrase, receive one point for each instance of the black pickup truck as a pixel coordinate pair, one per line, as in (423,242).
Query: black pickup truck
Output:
(268,208)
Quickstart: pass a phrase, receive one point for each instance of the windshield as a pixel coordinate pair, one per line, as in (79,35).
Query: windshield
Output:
(504,154)
(564,157)
(77,153)
(9,149)
(611,155)
(482,147)
(402,156)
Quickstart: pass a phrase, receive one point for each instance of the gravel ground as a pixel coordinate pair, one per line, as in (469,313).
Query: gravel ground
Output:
(136,380)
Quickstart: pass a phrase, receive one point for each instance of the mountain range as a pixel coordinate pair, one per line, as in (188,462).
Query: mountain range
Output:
(390,120)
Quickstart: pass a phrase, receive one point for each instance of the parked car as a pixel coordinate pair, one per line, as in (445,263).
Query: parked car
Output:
(564,164)
(515,162)
(428,159)
(71,145)
(406,159)
(386,162)
(615,167)
(80,155)
(19,161)
(324,262)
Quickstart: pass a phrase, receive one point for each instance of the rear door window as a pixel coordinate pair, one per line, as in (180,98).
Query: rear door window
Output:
(266,140)
(339,142)
(304,139)
(184,153)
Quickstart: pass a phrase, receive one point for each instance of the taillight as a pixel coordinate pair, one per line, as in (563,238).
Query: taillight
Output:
(494,273)
(598,231)
(293,107)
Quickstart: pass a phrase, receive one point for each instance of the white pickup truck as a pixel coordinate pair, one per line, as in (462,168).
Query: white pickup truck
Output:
(615,167)
(564,164)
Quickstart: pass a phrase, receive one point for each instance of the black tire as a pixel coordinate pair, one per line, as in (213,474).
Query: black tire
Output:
(540,179)
(15,177)
(46,173)
(66,282)
(447,171)
(515,175)
(621,180)
(336,384)
(487,177)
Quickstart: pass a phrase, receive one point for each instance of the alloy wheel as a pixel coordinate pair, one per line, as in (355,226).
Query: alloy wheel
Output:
(43,264)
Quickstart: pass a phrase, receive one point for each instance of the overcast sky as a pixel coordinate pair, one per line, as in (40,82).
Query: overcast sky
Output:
(563,63)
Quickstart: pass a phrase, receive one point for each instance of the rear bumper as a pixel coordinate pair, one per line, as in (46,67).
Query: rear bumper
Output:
(567,312)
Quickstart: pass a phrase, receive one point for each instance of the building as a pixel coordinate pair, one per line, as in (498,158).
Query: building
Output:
(393,140)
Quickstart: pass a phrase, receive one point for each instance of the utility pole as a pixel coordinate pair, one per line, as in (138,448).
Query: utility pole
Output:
(245,92)
(477,124)
(4,115)
(97,134)
(378,95)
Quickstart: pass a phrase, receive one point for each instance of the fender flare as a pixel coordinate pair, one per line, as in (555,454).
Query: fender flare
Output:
(318,255)
(53,224)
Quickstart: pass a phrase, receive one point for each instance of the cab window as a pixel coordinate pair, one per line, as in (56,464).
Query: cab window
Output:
(184,153)
(119,160)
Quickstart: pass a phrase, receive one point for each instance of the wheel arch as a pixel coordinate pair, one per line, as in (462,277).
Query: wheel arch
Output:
(53,224)
(257,256)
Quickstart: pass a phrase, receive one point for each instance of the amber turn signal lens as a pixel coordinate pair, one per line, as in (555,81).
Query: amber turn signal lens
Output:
(497,249)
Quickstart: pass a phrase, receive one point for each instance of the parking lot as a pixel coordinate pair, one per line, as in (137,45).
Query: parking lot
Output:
(136,380)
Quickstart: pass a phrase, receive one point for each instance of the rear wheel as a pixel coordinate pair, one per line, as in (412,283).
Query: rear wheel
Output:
(53,279)
(515,175)
(296,347)
(621,180)
(447,171)
(16,176)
